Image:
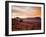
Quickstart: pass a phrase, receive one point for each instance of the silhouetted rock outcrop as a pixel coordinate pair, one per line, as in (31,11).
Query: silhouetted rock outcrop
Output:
(18,19)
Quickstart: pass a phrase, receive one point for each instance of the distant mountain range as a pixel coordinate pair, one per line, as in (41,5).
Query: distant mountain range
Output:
(30,18)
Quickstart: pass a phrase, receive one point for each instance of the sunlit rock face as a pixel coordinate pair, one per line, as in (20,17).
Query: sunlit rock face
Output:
(26,23)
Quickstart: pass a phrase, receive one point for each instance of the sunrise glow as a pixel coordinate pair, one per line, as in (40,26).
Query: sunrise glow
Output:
(26,11)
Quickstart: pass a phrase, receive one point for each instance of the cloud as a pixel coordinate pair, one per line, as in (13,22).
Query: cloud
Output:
(26,11)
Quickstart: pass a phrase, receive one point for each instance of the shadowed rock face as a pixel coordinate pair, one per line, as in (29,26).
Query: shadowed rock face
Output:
(26,23)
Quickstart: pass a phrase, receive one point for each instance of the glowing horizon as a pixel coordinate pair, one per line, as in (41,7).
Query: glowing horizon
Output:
(25,12)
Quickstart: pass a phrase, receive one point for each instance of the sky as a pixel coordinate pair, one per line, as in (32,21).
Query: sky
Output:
(26,11)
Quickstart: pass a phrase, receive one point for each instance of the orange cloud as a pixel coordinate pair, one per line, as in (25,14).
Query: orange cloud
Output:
(26,12)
